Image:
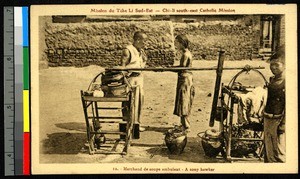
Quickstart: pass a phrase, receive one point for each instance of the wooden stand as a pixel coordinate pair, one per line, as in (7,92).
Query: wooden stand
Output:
(93,119)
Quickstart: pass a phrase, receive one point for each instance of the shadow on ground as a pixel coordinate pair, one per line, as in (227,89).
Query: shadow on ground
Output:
(72,126)
(64,143)
(193,152)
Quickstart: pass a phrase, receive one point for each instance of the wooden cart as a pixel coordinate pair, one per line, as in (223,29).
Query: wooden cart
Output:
(93,118)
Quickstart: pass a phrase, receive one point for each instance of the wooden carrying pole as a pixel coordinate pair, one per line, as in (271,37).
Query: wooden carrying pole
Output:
(217,88)
(219,69)
(176,68)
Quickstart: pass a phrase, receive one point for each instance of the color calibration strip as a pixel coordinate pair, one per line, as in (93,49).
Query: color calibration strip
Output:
(18,54)
(22,135)
(26,111)
(16,85)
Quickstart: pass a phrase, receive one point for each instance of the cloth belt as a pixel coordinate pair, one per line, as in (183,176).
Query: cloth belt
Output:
(273,116)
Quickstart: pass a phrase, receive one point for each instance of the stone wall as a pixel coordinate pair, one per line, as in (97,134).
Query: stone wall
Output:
(101,43)
(239,38)
(82,44)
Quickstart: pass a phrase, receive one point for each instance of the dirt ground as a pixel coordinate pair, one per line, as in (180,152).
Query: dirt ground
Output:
(62,124)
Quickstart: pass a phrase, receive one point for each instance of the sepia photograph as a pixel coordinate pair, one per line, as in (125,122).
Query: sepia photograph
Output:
(188,88)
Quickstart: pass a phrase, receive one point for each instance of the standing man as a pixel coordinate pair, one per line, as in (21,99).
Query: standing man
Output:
(134,57)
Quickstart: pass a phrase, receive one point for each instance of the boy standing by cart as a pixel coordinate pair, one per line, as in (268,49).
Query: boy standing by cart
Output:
(185,90)
(274,114)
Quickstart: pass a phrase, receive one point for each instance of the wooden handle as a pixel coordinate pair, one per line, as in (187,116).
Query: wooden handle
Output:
(217,88)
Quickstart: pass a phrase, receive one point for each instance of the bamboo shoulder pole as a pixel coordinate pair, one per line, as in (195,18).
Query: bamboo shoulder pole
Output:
(161,69)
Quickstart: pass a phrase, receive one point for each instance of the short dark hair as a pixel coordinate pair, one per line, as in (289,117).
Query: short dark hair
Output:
(183,40)
(139,35)
(279,55)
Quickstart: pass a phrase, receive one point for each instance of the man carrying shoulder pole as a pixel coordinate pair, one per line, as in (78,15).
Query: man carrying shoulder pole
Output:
(134,57)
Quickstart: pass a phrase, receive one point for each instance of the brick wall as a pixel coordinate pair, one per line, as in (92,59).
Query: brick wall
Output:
(82,44)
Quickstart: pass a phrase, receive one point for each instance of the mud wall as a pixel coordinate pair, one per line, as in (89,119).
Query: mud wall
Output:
(101,43)
(239,38)
(82,44)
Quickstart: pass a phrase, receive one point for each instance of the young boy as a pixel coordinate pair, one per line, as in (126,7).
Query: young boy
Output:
(185,90)
(274,114)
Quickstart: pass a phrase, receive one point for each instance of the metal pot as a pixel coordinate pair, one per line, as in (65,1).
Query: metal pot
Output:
(112,77)
(212,142)
(118,90)
(175,140)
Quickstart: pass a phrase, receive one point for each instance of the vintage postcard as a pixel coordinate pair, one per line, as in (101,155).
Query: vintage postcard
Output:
(164,88)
